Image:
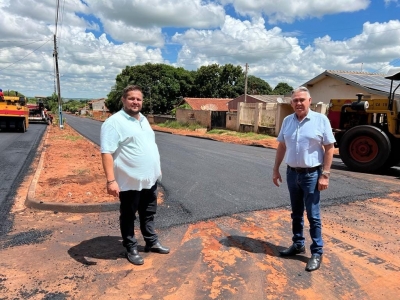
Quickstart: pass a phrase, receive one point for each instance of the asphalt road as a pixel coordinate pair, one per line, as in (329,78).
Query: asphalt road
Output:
(204,179)
(17,151)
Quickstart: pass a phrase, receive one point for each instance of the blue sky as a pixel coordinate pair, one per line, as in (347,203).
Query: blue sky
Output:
(288,41)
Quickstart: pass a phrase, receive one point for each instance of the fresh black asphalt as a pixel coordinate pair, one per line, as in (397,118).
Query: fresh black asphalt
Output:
(17,151)
(204,179)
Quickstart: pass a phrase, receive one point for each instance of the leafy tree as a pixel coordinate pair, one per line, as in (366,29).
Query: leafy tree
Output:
(51,103)
(282,88)
(257,86)
(162,86)
(13,93)
(207,81)
(73,105)
(231,81)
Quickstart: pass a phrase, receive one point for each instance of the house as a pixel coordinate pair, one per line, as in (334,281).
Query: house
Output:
(98,109)
(98,105)
(208,112)
(213,104)
(346,84)
(232,105)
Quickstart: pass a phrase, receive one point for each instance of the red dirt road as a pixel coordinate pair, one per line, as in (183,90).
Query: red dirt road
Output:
(79,256)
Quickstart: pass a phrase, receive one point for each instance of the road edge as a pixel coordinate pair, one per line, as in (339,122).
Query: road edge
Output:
(32,202)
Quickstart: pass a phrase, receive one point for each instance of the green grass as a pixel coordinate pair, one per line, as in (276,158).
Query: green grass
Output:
(72,137)
(246,135)
(81,171)
(177,125)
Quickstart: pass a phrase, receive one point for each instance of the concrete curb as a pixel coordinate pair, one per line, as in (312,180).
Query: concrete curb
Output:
(31,202)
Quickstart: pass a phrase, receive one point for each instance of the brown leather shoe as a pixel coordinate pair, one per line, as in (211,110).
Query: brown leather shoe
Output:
(293,250)
(314,262)
(133,257)
(157,247)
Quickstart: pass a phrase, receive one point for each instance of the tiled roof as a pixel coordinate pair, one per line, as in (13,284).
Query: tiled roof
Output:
(370,82)
(214,104)
(270,98)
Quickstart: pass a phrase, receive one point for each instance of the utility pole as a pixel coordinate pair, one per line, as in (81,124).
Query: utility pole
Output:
(58,84)
(55,54)
(245,83)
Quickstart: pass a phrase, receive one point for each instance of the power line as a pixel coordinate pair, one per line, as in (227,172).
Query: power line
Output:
(25,56)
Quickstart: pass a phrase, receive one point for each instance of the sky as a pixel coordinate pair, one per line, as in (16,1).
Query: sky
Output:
(288,41)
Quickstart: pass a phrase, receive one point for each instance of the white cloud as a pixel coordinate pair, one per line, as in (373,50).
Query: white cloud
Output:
(276,57)
(97,39)
(160,13)
(290,10)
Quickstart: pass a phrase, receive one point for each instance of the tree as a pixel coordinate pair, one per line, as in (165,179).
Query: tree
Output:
(231,81)
(282,89)
(257,86)
(73,105)
(162,85)
(207,81)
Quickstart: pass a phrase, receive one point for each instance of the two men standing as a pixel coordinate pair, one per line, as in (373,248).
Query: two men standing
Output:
(306,142)
(131,162)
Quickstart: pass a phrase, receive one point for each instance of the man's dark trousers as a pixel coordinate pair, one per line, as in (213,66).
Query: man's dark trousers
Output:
(145,203)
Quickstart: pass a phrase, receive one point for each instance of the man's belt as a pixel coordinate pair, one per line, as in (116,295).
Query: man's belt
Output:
(304,170)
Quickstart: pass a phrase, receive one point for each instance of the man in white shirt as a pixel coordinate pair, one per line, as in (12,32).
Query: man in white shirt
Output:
(131,163)
(306,142)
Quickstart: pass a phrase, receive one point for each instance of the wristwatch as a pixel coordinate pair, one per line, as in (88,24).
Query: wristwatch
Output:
(326,174)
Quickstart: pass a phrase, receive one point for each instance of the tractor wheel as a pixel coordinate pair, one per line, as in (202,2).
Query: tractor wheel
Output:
(365,148)
(23,126)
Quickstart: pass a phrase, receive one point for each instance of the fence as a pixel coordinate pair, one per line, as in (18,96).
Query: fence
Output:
(267,117)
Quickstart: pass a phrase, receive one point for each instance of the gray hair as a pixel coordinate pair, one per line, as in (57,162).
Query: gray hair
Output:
(302,89)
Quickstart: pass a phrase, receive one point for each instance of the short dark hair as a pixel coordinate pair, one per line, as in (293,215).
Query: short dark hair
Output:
(130,88)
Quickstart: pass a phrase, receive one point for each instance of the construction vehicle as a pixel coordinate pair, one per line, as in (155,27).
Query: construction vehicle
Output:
(367,131)
(38,113)
(13,113)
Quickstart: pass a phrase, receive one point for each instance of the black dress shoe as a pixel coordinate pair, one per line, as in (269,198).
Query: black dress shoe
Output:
(293,250)
(133,257)
(314,263)
(157,247)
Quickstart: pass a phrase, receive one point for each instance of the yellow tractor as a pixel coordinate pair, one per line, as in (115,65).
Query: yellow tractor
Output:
(14,115)
(367,131)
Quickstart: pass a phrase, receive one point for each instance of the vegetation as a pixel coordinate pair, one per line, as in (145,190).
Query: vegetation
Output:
(13,93)
(177,125)
(164,86)
(73,106)
(246,135)
(282,88)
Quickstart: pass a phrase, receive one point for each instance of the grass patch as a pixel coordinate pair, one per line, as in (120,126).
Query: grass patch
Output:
(177,125)
(72,137)
(81,171)
(245,135)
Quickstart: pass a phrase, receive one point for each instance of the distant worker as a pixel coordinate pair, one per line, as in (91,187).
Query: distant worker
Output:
(307,144)
(1,95)
(131,163)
